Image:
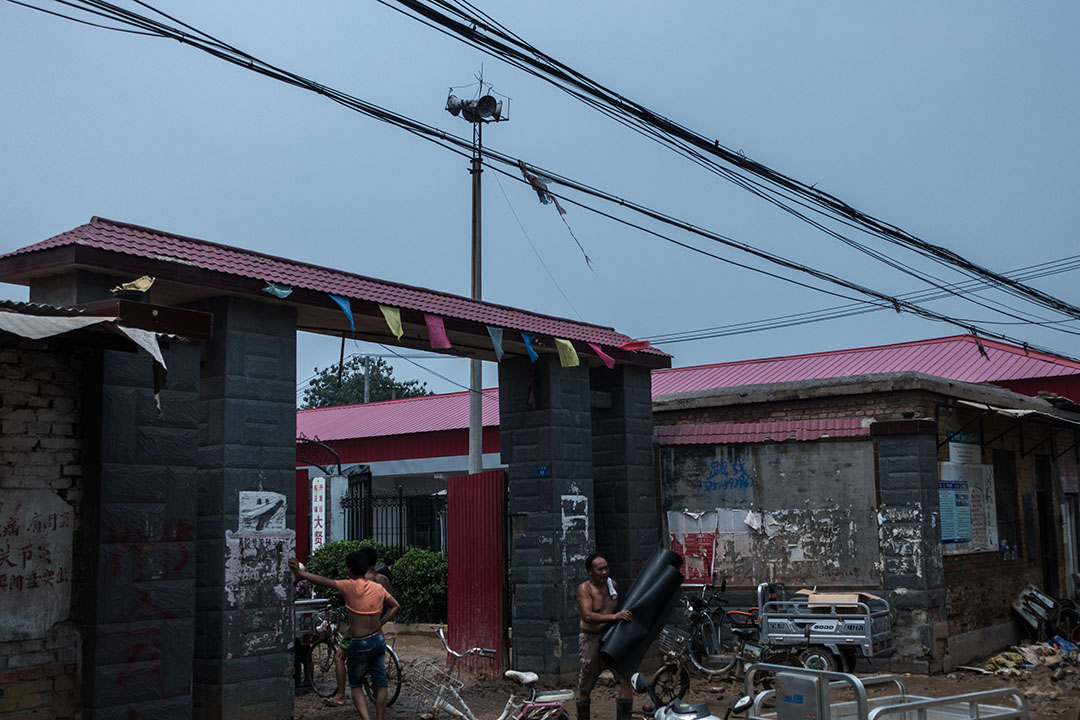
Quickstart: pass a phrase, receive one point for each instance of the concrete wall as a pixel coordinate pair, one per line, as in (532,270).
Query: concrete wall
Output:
(246,488)
(41,483)
(578,450)
(138,614)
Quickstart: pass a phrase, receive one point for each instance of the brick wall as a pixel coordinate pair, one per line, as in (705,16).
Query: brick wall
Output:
(981,586)
(40,449)
(879,406)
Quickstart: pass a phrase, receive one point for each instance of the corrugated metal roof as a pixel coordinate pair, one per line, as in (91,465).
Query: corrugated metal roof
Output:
(153,244)
(779,431)
(429,413)
(954,358)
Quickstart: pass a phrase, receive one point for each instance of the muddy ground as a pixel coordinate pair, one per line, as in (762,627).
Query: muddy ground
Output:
(1052,693)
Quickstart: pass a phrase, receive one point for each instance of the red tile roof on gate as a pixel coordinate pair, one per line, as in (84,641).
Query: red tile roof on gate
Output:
(776,431)
(153,244)
(429,413)
(954,358)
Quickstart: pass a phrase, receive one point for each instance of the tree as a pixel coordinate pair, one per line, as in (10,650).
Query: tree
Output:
(326,391)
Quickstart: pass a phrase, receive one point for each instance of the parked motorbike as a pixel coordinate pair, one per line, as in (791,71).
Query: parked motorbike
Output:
(678,710)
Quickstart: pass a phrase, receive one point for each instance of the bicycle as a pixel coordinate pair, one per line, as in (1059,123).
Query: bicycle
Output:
(441,691)
(706,648)
(321,671)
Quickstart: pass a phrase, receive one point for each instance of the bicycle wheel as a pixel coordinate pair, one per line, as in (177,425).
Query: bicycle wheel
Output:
(670,682)
(321,673)
(393,678)
(712,646)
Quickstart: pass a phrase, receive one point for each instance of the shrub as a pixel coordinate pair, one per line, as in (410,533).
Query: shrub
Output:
(419,576)
(329,560)
(420,586)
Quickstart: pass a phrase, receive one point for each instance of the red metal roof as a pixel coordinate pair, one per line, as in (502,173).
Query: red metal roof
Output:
(429,413)
(780,431)
(954,358)
(134,240)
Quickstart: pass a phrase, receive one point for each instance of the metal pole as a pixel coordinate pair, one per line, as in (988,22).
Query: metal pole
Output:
(475,368)
(367,378)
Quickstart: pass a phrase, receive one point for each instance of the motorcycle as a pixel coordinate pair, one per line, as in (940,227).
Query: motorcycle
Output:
(678,710)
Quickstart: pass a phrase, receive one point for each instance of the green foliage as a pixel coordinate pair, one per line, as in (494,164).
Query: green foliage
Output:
(420,586)
(329,560)
(419,576)
(326,391)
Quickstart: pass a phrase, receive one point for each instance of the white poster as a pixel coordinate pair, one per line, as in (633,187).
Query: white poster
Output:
(968,509)
(318,513)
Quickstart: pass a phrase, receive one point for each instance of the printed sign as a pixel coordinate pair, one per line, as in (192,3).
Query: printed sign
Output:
(318,513)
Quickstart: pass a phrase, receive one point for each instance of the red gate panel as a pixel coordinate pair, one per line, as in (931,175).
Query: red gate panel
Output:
(476,567)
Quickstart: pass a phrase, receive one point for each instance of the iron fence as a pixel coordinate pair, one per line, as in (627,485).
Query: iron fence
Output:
(395,519)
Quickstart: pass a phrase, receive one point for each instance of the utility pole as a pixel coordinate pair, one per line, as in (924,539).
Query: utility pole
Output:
(483,109)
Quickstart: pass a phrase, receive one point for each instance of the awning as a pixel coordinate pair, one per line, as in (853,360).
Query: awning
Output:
(38,327)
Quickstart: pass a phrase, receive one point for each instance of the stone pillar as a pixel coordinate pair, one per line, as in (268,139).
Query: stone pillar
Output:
(910,537)
(624,483)
(138,621)
(547,443)
(246,492)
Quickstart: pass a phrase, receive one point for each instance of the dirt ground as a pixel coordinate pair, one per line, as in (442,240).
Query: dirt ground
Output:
(1051,693)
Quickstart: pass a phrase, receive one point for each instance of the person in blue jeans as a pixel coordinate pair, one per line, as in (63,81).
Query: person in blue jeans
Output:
(370,606)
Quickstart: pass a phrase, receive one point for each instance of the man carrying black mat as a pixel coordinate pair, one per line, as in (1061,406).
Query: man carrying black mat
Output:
(597,599)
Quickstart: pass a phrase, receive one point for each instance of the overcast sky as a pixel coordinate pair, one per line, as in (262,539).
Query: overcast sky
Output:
(957,121)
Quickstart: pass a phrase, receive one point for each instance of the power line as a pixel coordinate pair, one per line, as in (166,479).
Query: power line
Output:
(841,311)
(207,43)
(470,28)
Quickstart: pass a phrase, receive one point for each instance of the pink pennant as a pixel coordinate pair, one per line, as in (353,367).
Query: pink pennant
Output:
(436,332)
(608,360)
(634,345)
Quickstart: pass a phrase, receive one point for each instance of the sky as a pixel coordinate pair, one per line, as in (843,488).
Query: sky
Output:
(954,121)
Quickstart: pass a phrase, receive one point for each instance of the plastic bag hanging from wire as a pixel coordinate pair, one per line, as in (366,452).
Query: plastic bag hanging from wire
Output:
(539,183)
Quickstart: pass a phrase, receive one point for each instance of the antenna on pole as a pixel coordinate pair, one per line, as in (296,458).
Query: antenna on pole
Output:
(479,111)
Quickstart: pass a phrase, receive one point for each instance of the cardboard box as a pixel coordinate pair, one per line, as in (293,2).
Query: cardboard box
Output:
(845,602)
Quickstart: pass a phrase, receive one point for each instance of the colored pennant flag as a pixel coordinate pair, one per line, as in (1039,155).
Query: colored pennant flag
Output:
(436,332)
(634,345)
(608,360)
(568,356)
(343,303)
(278,290)
(496,341)
(393,320)
(527,339)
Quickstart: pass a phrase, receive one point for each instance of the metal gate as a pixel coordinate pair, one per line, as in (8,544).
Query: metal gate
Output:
(396,519)
(476,566)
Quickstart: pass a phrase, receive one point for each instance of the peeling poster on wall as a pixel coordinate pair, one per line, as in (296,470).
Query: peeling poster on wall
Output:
(256,567)
(693,536)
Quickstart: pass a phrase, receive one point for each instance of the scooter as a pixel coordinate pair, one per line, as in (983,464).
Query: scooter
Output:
(678,710)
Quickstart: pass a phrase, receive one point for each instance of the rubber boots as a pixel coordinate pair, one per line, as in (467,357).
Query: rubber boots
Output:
(623,708)
(583,710)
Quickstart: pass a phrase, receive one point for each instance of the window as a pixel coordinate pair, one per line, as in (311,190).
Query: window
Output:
(1008,503)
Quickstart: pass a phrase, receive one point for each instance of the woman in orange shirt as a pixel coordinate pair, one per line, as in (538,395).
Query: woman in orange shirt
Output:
(370,606)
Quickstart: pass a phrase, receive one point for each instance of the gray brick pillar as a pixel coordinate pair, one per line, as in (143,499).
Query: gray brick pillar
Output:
(623,479)
(910,537)
(548,449)
(246,492)
(138,557)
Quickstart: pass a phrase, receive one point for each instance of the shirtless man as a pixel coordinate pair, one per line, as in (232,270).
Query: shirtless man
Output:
(370,607)
(597,599)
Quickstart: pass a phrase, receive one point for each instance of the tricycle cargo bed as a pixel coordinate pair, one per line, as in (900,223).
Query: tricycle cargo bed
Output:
(864,623)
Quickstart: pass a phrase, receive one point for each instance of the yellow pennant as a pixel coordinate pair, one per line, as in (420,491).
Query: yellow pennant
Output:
(393,319)
(567,354)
